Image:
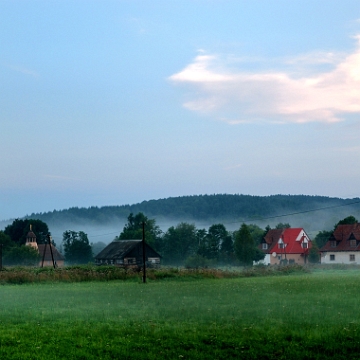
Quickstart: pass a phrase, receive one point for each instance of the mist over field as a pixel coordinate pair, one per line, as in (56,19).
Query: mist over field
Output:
(103,224)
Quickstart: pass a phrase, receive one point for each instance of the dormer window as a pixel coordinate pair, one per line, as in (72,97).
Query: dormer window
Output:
(333,243)
(281,245)
(304,245)
(353,243)
(264,246)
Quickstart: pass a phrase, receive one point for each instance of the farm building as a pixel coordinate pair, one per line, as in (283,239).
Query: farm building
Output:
(41,248)
(58,257)
(126,252)
(343,246)
(285,245)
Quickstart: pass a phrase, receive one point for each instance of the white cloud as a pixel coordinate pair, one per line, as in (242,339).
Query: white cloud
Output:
(23,70)
(276,96)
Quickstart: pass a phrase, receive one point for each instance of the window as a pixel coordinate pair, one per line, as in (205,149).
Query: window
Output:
(281,245)
(352,243)
(304,245)
(333,243)
(352,257)
(264,246)
(332,257)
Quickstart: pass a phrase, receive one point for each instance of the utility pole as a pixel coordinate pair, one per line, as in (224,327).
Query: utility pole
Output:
(143,248)
(52,255)
(48,238)
(43,257)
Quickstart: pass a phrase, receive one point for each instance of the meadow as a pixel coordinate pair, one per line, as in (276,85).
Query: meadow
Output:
(298,316)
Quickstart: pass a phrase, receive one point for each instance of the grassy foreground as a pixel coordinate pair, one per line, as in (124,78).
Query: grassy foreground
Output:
(306,316)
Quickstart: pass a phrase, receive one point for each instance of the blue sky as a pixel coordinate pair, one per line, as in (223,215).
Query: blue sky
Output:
(115,102)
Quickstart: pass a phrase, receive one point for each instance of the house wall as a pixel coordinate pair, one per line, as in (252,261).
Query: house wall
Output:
(271,260)
(265,261)
(292,258)
(342,257)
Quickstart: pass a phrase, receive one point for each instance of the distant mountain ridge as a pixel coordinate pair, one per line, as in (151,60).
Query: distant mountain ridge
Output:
(205,208)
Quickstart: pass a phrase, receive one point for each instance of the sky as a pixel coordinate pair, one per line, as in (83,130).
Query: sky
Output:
(115,102)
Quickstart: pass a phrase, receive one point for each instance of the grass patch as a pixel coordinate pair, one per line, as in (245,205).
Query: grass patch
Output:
(300,316)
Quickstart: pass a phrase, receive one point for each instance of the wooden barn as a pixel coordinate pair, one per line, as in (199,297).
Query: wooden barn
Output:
(127,252)
(58,257)
(41,248)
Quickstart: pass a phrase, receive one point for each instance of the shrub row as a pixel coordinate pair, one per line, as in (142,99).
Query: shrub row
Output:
(22,275)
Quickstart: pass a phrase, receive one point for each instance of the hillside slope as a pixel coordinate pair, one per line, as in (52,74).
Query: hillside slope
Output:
(208,208)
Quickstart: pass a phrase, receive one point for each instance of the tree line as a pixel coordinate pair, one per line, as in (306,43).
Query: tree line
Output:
(210,208)
(183,244)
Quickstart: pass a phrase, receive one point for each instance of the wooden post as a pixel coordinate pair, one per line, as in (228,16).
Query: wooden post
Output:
(52,255)
(43,258)
(143,248)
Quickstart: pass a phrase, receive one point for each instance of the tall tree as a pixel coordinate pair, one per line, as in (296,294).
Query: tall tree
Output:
(314,255)
(322,238)
(179,243)
(19,228)
(217,234)
(5,241)
(347,221)
(244,246)
(256,232)
(76,247)
(21,255)
(281,225)
(133,230)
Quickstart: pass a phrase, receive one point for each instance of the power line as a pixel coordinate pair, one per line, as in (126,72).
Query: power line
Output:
(265,218)
(294,213)
(112,233)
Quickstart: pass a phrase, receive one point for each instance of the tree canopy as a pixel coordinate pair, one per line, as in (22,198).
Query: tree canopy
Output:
(179,242)
(244,246)
(21,255)
(133,230)
(76,247)
(347,221)
(19,228)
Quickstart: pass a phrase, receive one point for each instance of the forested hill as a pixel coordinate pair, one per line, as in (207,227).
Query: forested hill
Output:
(208,208)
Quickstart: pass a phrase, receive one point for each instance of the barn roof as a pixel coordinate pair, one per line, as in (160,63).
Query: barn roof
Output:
(117,249)
(57,255)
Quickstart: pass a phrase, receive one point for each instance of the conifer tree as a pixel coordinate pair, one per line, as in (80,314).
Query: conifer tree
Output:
(244,246)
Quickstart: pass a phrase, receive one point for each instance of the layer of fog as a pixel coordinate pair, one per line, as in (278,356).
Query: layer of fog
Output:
(312,222)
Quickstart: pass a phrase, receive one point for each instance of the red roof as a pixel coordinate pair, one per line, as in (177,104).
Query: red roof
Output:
(291,237)
(341,238)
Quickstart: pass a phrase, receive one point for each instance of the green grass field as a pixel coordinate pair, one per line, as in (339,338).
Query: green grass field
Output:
(304,316)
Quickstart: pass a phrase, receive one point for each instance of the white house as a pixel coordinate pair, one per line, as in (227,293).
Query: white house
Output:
(343,246)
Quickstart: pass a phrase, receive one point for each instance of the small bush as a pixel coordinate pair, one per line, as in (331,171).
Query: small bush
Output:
(196,262)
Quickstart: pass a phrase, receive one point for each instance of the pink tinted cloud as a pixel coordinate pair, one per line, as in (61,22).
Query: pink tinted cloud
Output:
(238,97)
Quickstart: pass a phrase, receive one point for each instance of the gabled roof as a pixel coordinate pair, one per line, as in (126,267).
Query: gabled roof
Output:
(57,255)
(342,234)
(291,237)
(117,249)
(273,235)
